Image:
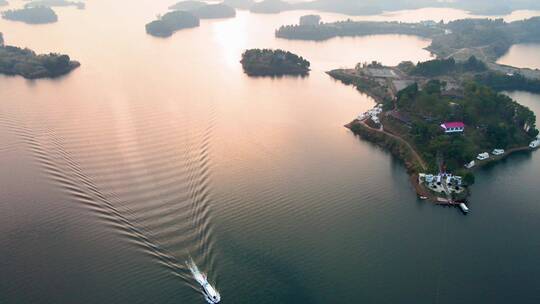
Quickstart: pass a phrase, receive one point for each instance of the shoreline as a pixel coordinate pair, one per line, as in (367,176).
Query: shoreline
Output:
(380,138)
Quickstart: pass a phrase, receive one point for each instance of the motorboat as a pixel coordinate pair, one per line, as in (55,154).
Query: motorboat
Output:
(211,295)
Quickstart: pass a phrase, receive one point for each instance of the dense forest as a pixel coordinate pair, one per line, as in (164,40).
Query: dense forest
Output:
(509,82)
(26,63)
(325,31)
(32,15)
(257,62)
(438,67)
(171,22)
(493,120)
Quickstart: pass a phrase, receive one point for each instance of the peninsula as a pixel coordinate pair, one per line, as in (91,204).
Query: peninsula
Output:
(171,22)
(266,62)
(31,15)
(28,64)
(440,119)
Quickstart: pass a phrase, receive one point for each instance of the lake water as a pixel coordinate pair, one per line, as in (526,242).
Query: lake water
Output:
(158,150)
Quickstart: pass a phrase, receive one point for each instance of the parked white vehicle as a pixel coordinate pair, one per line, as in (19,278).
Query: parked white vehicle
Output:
(498,152)
(483,156)
(535,144)
(470,165)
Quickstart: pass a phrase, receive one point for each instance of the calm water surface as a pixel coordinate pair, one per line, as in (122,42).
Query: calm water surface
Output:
(156,150)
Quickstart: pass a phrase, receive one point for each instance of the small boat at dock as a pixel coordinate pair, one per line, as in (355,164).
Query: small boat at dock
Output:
(464,207)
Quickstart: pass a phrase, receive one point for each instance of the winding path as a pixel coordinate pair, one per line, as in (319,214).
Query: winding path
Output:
(381,130)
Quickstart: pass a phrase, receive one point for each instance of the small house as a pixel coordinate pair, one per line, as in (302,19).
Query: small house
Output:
(453,127)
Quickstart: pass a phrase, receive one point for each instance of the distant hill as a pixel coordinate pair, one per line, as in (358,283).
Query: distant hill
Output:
(172,22)
(271,7)
(51,3)
(33,15)
(371,7)
(214,11)
(241,4)
(187,5)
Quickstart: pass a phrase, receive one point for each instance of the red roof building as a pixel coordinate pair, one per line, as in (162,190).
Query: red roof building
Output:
(453,127)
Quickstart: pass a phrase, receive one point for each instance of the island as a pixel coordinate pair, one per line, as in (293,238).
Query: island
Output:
(31,15)
(52,3)
(28,64)
(171,22)
(266,62)
(441,119)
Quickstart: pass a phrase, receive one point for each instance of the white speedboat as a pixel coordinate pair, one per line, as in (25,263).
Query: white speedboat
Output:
(210,293)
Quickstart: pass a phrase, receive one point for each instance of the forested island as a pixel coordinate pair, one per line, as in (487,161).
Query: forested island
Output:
(51,3)
(171,22)
(31,15)
(441,115)
(266,62)
(28,64)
